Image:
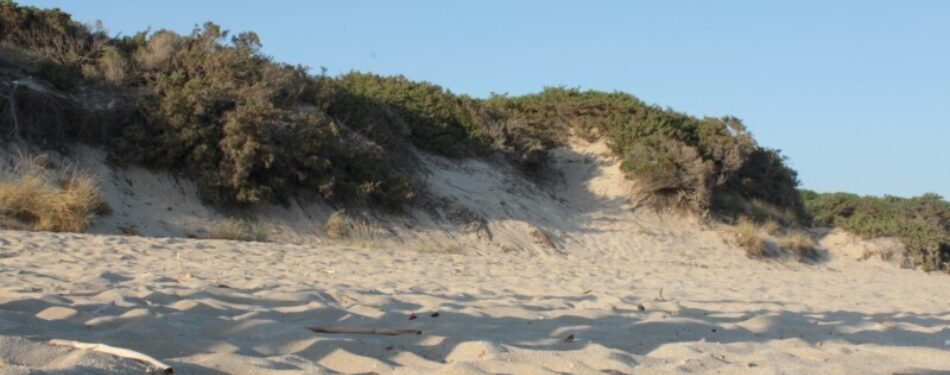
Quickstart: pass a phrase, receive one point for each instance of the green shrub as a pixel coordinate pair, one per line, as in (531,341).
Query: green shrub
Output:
(678,160)
(922,223)
(49,34)
(230,117)
(250,130)
(438,120)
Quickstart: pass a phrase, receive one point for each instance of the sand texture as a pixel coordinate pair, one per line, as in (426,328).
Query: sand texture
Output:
(500,276)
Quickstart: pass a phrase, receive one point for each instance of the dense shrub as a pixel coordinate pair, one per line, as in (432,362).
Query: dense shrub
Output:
(251,130)
(678,160)
(438,120)
(230,117)
(922,223)
(48,33)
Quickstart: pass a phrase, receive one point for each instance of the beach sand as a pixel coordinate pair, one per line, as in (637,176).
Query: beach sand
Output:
(569,280)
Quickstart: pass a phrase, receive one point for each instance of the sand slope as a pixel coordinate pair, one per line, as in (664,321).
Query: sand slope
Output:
(564,278)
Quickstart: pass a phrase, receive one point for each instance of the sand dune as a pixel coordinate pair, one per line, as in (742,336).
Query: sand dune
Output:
(558,279)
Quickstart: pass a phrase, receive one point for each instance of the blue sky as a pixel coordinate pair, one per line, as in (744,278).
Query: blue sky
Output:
(855,93)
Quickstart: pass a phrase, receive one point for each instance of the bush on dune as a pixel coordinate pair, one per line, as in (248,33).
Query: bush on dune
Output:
(438,120)
(679,161)
(230,116)
(921,223)
(250,130)
(58,46)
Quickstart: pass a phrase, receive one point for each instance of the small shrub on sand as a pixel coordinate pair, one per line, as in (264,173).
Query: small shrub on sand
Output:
(364,234)
(337,226)
(33,197)
(800,245)
(747,236)
(771,227)
(239,230)
(356,231)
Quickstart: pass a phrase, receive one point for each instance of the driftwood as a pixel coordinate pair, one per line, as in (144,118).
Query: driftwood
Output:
(155,365)
(366,331)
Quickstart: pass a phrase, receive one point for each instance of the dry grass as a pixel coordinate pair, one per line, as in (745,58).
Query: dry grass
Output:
(337,225)
(800,245)
(436,249)
(356,231)
(772,227)
(36,197)
(747,235)
(239,230)
(541,239)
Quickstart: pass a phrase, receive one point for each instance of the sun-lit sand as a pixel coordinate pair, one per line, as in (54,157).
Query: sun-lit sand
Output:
(524,280)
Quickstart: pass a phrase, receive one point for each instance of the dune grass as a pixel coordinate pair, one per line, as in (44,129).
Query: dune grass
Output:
(36,197)
(800,245)
(353,230)
(238,230)
(748,237)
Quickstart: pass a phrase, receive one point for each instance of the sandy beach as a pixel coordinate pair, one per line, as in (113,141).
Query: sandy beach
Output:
(503,279)
(223,307)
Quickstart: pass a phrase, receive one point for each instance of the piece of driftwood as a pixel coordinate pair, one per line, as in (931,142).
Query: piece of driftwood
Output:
(366,331)
(156,366)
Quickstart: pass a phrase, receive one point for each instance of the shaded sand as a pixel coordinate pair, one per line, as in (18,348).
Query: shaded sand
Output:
(212,307)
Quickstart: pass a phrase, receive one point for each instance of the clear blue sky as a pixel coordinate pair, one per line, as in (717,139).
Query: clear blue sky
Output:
(855,93)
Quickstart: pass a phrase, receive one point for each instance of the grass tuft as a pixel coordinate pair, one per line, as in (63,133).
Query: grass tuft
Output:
(749,238)
(356,231)
(35,197)
(239,230)
(801,245)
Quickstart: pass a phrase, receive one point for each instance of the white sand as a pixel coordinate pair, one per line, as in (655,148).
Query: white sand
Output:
(506,305)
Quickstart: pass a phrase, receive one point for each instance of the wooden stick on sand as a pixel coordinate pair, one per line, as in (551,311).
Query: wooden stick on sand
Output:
(366,331)
(155,364)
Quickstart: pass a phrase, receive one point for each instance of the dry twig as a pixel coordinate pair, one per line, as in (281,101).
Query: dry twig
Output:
(157,366)
(366,331)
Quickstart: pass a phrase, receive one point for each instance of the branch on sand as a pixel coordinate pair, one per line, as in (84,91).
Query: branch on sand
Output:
(366,331)
(155,365)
